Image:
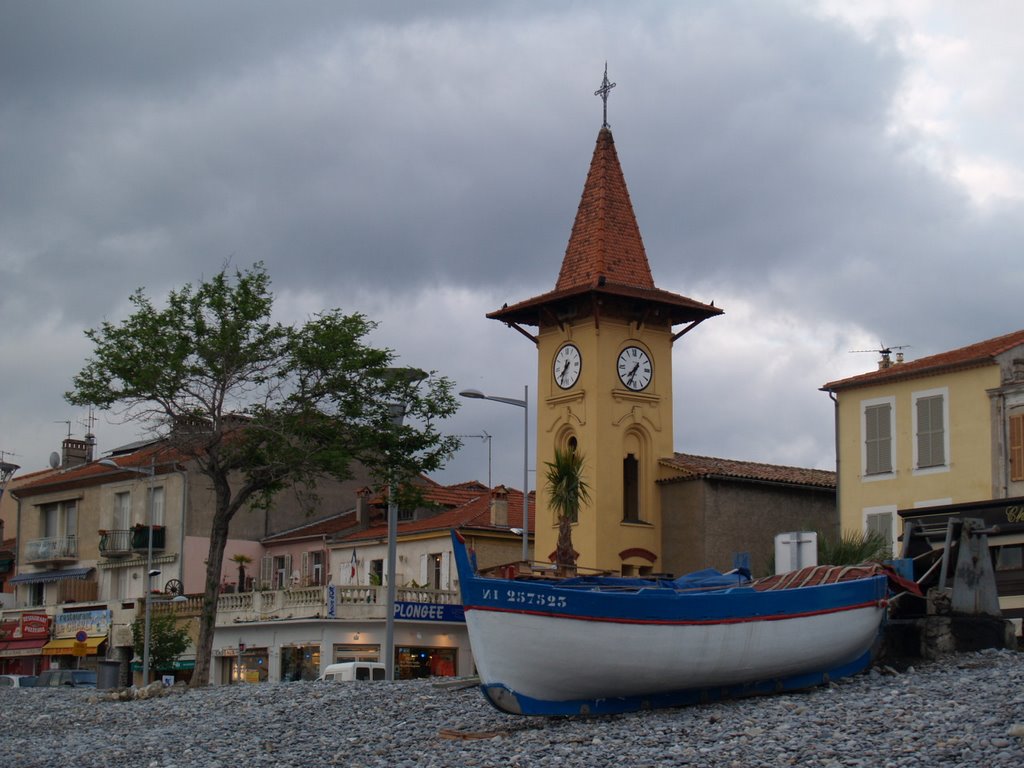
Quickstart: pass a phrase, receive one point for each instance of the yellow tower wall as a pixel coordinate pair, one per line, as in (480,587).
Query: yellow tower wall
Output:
(607,420)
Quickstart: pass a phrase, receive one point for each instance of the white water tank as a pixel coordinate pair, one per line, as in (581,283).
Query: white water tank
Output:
(795,550)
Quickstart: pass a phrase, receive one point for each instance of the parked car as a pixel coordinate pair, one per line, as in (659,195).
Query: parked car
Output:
(353,670)
(73,678)
(17,681)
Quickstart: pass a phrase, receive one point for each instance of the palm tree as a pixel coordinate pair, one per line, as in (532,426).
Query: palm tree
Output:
(567,490)
(242,560)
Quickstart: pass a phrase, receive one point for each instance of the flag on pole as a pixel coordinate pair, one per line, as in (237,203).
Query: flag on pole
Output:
(353,574)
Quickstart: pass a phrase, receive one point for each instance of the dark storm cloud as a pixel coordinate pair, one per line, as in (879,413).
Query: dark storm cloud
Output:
(373,154)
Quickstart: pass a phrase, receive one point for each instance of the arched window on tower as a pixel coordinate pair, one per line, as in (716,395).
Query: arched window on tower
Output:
(630,489)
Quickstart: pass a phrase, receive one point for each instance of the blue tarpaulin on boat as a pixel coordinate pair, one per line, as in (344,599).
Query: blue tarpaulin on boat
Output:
(709,578)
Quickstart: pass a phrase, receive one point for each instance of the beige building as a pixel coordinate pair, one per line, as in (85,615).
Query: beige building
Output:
(944,429)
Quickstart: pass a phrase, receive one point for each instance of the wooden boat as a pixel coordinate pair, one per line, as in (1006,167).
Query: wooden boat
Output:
(602,645)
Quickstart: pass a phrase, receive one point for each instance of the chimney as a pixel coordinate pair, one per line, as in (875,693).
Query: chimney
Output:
(499,506)
(362,509)
(75,453)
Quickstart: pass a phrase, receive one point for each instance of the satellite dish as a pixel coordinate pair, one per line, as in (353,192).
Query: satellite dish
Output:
(54,460)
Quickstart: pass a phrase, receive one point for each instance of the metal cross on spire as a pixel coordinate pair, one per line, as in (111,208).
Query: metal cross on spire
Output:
(603,93)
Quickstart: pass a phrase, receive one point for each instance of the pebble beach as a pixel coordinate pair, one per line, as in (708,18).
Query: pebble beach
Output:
(964,710)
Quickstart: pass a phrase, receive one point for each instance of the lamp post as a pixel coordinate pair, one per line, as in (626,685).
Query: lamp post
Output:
(150,573)
(412,376)
(476,394)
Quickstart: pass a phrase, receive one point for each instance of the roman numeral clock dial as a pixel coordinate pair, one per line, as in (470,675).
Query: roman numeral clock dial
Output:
(634,368)
(566,368)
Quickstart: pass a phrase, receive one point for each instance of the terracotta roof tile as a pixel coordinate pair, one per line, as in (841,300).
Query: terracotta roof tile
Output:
(690,467)
(475,513)
(605,239)
(973,355)
(605,256)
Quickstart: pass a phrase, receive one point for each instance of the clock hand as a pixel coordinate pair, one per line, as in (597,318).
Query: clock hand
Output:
(565,370)
(632,374)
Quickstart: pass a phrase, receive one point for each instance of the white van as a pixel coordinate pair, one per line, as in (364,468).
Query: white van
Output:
(353,670)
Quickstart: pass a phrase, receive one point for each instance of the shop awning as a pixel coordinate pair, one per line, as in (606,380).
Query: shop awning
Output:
(45,577)
(9,648)
(66,646)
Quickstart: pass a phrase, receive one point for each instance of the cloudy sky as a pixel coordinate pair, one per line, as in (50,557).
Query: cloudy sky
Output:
(835,180)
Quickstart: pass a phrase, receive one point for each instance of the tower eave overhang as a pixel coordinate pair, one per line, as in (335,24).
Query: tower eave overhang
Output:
(675,308)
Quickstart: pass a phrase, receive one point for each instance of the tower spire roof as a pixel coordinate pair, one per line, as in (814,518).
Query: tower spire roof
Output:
(605,245)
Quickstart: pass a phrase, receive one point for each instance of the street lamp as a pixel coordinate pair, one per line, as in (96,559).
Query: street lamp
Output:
(150,573)
(412,376)
(476,394)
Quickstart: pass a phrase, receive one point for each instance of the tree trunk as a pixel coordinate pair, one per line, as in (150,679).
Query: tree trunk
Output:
(208,613)
(565,554)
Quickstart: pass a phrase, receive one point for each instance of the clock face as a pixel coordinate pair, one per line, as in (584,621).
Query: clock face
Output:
(635,368)
(567,366)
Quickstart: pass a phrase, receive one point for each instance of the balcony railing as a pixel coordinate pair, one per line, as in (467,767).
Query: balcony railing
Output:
(56,549)
(121,543)
(353,602)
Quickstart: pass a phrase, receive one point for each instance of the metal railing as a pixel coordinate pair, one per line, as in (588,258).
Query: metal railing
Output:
(51,549)
(352,601)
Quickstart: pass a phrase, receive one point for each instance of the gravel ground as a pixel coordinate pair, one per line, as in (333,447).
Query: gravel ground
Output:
(966,710)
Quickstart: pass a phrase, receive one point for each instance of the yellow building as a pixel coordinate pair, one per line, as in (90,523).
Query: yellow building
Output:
(604,343)
(944,429)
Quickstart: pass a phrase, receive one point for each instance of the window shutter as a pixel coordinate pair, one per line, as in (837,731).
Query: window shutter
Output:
(287,572)
(266,571)
(878,438)
(1017,447)
(930,432)
(446,567)
(424,577)
(881,525)
(306,580)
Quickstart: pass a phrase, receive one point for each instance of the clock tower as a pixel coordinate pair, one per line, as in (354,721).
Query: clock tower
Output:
(604,342)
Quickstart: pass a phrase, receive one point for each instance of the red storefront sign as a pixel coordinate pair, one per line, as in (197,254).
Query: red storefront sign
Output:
(35,625)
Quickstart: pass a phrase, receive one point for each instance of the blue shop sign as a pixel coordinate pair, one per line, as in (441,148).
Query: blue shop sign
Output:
(429,612)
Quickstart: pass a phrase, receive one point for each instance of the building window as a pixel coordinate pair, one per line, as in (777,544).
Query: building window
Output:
(930,417)
(122,511)
(376,572)
(881,521)
(630,489)
(1017,447)
(878,430)
(317,567)
(157,509)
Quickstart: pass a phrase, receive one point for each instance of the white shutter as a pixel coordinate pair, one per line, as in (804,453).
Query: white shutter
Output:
(424,577)
(446,565)
(266,572)
(304,568)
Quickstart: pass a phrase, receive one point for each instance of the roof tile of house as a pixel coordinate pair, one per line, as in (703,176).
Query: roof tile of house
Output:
(690,467)
(973,355)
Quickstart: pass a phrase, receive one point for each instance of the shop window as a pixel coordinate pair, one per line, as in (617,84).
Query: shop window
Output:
(355,652)
(300,662)
(416,662)
(1010,558)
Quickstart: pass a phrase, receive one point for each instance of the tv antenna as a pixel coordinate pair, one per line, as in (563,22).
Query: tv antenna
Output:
(885,352)
(65,421)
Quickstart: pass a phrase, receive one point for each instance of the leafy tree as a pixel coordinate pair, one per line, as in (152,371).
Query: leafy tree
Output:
(258,406)
(167,640)
(567,490)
